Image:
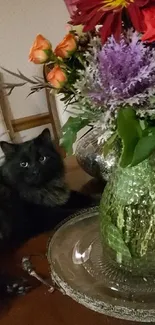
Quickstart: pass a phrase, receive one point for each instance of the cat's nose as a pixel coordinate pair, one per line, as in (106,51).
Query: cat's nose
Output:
(35,172)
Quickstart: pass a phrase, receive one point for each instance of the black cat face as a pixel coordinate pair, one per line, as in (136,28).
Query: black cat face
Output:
(33,163)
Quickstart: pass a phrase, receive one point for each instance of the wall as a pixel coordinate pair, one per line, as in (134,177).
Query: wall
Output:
(20,21)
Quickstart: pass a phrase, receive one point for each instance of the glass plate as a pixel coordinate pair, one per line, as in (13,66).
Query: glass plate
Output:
(84,272)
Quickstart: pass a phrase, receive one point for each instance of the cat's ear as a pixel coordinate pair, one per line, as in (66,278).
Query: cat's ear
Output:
(8,148)
(45,136)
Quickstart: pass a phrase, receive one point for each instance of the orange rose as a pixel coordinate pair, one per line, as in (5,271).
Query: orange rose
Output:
(39,50)
(57,77)
(66,47)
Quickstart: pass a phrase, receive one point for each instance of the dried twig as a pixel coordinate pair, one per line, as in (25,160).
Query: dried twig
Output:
(37,85)
(12,86)
(19,75)
(7,85)
(41,86)
(39,79)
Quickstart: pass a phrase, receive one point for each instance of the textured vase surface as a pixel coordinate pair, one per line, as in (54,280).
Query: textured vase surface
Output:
(127,217)
(89,154)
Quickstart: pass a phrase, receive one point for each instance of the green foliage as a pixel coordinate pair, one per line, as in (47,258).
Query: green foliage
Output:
(70,130)
(138,138)
(130,132)
(109,144)
(50,54)
(73,66)
(143,149)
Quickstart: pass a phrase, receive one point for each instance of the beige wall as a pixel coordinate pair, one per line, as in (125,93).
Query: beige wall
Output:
(20,21)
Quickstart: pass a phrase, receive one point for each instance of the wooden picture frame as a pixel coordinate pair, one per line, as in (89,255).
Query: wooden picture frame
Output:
(14,126)
(5,111)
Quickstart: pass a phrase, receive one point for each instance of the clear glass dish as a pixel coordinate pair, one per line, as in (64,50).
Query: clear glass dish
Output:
(86,273)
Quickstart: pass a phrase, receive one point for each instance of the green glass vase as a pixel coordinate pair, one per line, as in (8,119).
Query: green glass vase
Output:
(127,218)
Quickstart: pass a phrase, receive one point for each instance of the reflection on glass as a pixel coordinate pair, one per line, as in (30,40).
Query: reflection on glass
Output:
(80,257)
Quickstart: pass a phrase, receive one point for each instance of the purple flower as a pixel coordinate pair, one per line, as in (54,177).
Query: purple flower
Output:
(124,73)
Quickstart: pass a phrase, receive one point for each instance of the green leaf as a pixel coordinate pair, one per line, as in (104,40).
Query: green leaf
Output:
(143,124)
(149,131)
(50,54)
(109,144)
(75,123)
(67,142)
(143,149)
(130,131)
(70,130)
(115,240)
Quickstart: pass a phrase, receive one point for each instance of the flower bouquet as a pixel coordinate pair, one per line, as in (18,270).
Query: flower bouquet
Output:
(120,81)
(105,72)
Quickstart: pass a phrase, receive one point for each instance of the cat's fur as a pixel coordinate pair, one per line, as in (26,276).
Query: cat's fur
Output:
(33,194)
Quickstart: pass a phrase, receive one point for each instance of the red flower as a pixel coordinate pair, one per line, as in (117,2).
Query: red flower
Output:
(149,19)
(108,14)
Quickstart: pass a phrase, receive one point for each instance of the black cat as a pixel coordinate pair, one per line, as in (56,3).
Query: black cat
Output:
(33,194)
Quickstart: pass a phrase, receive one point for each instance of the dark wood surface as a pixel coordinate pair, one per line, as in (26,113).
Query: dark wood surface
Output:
(39,306)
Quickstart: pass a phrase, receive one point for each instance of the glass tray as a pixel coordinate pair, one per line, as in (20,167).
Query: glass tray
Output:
(81,269)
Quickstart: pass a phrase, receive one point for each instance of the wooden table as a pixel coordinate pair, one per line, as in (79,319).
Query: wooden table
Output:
(40,307)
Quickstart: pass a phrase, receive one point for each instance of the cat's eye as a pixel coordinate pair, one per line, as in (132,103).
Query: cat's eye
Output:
(24,164)
(42,159)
